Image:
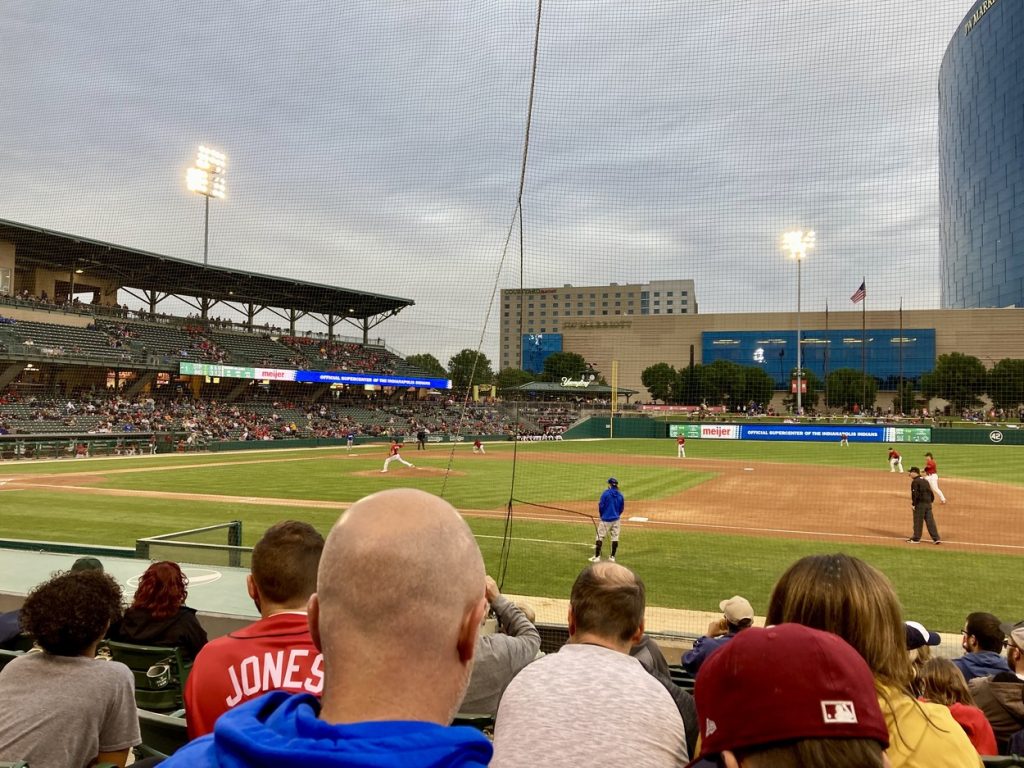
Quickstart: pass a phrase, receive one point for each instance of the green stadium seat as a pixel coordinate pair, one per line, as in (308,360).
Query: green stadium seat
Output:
(162,735)
(1001,761)
(160,674)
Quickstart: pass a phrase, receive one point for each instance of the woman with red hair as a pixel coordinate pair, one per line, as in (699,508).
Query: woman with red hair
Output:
(158,614)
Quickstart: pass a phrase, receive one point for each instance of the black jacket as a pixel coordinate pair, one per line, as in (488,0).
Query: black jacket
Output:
(181,630)
(920,491)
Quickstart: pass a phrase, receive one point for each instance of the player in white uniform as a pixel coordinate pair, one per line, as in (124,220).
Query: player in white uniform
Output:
(395,455)
(478,447)
(681,447)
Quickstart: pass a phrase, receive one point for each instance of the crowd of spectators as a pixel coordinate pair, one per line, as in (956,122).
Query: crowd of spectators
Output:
(209,420)
(368,642)
(328,355)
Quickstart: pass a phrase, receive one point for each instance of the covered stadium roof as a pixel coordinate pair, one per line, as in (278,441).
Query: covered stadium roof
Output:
(553,387)
(145,271)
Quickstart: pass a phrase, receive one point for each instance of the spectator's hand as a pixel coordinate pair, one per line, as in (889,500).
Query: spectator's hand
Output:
(718,627)
(491,589)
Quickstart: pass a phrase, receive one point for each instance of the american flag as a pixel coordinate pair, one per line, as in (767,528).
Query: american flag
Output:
(859,294)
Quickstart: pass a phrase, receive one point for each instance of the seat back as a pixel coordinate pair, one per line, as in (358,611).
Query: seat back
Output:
(162,735)
(681,677)
(160,674)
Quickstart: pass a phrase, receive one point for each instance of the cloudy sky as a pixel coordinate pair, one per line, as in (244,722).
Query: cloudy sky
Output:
(377,145)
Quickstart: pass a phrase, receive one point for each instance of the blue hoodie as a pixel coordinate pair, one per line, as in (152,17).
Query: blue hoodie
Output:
(284,729)
(981,664)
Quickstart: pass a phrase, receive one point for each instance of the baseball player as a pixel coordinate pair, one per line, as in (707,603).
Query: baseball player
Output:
(931,474)
(610,507)
(478,447)
(844,441)
(350,438)
(895,460)
(395,455)
(680,447)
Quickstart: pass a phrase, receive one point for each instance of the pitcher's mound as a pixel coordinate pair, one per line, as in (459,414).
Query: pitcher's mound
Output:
(409,472)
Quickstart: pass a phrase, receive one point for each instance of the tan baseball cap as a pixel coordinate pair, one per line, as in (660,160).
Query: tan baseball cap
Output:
(1014,633)
(736,609)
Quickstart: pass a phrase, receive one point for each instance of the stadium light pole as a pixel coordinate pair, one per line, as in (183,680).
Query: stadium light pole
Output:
(797,243)
(206,178)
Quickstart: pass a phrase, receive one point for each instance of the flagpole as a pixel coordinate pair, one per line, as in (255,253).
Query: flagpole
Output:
(900,395)
(826,355)
(864,348)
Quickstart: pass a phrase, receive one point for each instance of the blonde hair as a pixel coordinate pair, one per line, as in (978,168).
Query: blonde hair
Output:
(846,596)
(940,681)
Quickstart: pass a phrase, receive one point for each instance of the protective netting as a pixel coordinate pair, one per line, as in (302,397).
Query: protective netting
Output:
(630,167)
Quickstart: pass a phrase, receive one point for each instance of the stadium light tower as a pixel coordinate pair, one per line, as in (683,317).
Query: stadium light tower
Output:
(206,178)
(797,243)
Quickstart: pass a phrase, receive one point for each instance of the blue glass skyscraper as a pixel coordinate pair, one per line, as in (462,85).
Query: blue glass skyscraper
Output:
(981,158)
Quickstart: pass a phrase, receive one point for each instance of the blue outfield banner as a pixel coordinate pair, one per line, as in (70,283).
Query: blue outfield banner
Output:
(377,379)
(814,433)
(319,377)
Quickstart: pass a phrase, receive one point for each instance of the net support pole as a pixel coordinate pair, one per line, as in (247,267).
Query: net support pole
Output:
(235,540)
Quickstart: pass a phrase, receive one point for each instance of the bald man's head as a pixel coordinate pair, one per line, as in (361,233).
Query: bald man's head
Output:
(400,568)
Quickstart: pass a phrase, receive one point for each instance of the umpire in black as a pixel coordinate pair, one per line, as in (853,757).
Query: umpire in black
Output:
(921,498)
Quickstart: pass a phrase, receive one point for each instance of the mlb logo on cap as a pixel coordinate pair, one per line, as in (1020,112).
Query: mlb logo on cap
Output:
(839,711)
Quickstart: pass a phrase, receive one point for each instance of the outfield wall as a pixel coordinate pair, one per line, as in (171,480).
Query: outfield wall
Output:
(634,427)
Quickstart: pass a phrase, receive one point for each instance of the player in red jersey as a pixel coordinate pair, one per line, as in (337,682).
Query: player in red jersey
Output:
(895,460)
(931,474)
(395,455)
(680,447)
(478,447)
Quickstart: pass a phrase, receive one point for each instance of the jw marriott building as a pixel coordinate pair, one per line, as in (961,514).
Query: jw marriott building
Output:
(545,310)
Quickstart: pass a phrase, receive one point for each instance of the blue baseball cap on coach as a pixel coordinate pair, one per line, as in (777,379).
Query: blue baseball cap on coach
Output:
(612,481)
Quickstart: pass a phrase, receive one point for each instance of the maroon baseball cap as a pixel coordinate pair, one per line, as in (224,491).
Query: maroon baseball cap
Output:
(785,683)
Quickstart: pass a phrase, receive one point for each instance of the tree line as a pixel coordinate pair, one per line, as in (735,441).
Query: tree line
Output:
(470,368)
(960,379)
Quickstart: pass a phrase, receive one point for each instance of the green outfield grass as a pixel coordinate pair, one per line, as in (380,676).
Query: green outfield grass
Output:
(683,569)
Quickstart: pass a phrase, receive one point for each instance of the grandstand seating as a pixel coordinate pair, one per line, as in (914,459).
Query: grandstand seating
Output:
(119,339)
(250,349)
(60,341)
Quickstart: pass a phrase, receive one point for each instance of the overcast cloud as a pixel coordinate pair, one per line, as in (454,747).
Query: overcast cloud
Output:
(376,145)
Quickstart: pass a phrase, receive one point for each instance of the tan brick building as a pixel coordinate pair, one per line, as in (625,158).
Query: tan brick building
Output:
(637,342)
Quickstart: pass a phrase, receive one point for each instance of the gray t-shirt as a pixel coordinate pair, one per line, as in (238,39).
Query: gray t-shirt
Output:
(62,711)
(499,657)
(587,705)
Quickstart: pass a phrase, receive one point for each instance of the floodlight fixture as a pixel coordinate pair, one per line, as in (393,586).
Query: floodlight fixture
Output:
(206,178)
(797,243)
